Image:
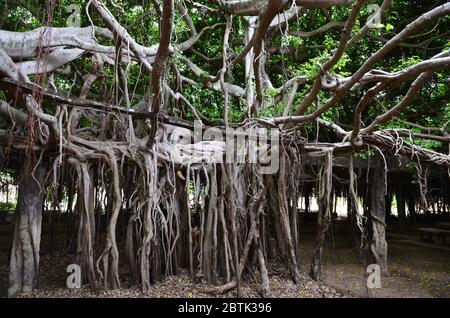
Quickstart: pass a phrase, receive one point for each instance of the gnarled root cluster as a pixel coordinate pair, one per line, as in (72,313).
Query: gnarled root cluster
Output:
(165,212)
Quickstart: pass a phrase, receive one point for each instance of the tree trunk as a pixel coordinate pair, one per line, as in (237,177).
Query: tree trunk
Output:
(24,263)
(400,196)
(307,194)
(388,205)
(411,205)
(323,217)
(351,221)
(378,243)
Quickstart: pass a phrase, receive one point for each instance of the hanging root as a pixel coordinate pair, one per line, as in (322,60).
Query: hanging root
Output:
(324,217)
(284,214)
(86,226)
(111,249)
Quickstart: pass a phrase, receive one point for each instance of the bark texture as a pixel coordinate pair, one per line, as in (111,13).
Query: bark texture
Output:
(24,263)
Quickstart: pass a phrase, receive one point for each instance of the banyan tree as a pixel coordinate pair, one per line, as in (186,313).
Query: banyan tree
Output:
(194,126)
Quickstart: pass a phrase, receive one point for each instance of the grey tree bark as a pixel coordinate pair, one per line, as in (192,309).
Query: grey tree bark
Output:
(378,244)
(24,263)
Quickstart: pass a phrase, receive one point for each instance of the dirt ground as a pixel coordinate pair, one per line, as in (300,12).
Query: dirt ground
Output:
(417,269)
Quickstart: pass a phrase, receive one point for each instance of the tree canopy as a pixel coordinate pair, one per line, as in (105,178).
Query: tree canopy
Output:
(104,91)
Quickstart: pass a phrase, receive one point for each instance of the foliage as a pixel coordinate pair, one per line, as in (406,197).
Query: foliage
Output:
(302,59)
(7,206)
